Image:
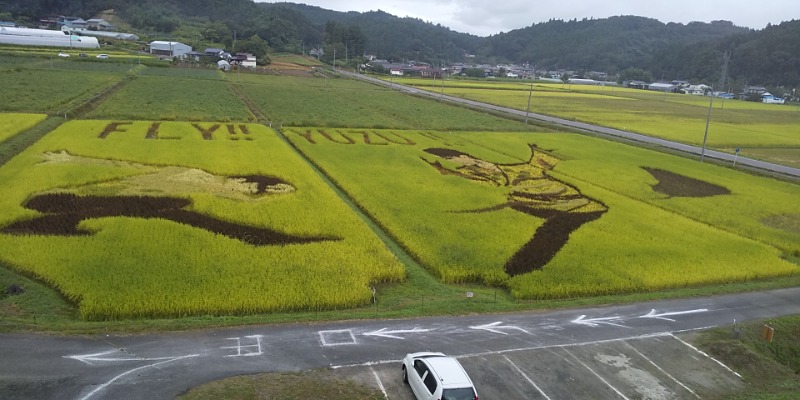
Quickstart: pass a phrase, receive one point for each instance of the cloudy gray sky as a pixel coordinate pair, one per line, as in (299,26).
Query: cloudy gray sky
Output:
(484,17)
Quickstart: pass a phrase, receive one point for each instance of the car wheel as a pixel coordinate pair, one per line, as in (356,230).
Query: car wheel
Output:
(405,374)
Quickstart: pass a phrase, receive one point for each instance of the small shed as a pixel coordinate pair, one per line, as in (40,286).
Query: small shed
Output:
(169,49)
(224,65)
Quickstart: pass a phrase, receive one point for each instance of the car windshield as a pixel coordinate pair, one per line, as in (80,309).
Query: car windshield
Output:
(458,394)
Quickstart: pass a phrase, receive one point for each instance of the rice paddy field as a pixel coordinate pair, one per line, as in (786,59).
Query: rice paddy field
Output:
(128,221)
(466,227)
(156,95)
(14,123)
(759,130)
(329,102)
(163,198)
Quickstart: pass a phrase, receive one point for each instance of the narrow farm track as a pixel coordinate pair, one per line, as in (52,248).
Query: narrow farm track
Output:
(785,171)
(413,268)
(18,143)
(260,117)
(91,103)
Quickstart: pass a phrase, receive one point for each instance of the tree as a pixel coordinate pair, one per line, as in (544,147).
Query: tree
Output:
(634,74)
(474,72)
(255,46)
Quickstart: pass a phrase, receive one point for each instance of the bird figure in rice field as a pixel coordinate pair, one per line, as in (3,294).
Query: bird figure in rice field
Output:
(563,207)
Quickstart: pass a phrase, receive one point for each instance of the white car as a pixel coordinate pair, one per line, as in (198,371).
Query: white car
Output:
(102,56)
(435,376)
(63,55)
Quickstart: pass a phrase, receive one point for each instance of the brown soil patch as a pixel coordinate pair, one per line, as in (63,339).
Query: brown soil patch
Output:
(446,153)
(64,211)
(676,185)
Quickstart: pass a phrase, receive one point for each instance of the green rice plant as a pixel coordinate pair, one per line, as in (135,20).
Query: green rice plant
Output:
(297,101)
(645,241)
(171,98)
(12,123)
(51,91)
(125,267)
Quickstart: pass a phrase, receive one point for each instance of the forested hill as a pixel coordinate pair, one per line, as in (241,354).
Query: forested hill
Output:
(601,44)
(692,51)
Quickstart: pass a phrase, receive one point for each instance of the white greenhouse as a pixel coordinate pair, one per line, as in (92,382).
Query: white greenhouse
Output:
(44,37)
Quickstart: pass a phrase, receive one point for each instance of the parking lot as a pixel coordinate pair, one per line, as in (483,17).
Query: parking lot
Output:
(659,367)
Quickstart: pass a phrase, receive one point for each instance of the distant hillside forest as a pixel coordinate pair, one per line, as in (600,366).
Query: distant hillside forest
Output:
(693,51)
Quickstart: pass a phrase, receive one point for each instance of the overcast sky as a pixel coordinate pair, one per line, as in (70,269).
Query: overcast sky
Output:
(483,17)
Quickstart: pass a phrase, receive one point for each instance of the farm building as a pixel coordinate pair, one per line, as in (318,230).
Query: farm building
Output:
(663,87)
(636,85)
(169,49)
(246,60)
(44,37)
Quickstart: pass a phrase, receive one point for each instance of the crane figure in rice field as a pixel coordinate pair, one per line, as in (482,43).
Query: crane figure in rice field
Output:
(535,193)
(151,191)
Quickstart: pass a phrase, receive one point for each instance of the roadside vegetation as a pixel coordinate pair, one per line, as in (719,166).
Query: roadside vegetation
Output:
(770,369)
(318,385)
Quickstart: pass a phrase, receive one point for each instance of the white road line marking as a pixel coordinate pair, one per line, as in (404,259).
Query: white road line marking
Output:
(662,370)
(103,386)
(527,378)
(596,374)
(347,334)
(707,355)
(380,384)
(554,346)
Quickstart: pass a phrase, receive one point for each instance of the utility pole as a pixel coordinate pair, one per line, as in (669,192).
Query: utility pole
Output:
(727,58)
(530,94)
(708,121)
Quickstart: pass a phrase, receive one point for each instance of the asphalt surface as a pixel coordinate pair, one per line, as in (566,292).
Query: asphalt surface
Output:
(711,154)
(161,366)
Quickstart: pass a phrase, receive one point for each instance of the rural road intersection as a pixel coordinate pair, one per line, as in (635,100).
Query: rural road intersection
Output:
(616,352)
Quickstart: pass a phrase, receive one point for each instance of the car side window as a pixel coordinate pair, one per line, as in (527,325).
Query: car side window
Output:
(430,382)
(420,367)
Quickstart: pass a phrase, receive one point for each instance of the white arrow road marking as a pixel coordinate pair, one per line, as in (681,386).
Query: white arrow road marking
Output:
(595,322)
(87,358)
(100,357)
(652,314)
(392,334)
(494,326)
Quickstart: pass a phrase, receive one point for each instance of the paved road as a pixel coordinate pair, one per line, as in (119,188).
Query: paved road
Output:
(161,366)
(712,154)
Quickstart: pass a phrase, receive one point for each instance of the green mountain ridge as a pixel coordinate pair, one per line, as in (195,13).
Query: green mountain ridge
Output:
(693,51)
